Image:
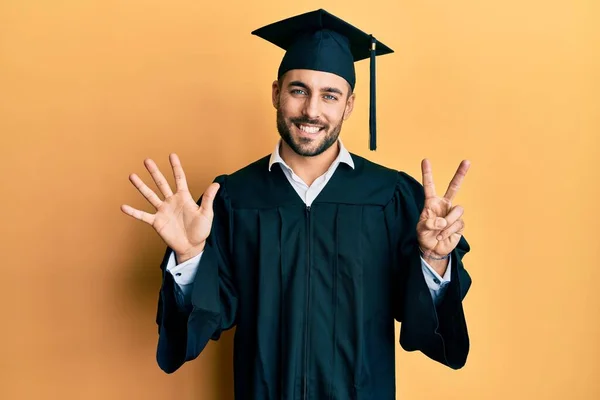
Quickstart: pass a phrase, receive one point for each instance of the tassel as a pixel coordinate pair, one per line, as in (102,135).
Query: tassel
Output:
(372,108)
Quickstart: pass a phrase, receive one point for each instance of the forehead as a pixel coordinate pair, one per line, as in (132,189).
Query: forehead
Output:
(316,79)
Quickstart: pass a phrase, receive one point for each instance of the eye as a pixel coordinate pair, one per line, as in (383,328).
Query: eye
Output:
(298,91)
(330,97)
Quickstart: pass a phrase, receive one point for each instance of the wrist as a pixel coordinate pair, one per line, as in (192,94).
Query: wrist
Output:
(436,261)
(189,254)
(431,255)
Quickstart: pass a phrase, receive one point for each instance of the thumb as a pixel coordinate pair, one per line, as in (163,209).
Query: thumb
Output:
(208,198)
(435,224)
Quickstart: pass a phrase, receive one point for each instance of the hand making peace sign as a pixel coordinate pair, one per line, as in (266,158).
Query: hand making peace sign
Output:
(440,225)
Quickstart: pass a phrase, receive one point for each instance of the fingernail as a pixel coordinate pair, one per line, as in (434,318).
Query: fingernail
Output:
(439,237)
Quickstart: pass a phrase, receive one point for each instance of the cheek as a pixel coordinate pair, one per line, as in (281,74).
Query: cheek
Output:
(288,106)
(334,113)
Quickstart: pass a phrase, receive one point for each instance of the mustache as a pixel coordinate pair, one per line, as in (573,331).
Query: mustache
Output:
(308,121)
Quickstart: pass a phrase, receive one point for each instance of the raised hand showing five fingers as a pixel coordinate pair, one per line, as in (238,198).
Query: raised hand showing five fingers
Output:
(440,225)
(180,222)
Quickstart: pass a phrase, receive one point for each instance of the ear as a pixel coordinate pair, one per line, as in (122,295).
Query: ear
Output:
(275,91)
(349,106)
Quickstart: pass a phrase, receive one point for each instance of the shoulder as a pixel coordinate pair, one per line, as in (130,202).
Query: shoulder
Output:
(372,174)
(251,170)
(368,166)
(399,183)
(399,179)
(245,182)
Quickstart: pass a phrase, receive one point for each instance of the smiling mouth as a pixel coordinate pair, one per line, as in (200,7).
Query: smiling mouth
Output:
(311,129)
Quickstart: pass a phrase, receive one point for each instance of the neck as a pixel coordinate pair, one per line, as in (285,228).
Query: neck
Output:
(309,168)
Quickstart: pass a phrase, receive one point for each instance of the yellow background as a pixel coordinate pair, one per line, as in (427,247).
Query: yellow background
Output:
(88,89)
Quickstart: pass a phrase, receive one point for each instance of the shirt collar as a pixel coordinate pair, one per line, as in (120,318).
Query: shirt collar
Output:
(343,157)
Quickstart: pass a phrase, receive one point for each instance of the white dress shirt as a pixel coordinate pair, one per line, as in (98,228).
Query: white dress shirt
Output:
(185,272)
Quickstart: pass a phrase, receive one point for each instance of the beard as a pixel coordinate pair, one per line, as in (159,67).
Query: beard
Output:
(303,146)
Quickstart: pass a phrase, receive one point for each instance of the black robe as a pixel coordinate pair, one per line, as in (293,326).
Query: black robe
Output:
(314,291)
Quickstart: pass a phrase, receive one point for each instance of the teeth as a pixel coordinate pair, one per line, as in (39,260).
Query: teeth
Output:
(310,129)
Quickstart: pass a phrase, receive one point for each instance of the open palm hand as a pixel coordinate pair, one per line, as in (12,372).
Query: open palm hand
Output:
(180,222)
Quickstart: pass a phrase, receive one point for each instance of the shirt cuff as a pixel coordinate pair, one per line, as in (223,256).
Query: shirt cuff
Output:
(183,273)
(436,283)
(435,278)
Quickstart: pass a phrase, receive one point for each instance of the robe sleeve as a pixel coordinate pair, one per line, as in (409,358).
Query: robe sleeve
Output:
(439,332)
(185,331)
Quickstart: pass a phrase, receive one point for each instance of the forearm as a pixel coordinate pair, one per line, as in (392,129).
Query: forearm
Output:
(437,262)
(183,273)
(176,346)
(439,266)
(436,283)
(438,329)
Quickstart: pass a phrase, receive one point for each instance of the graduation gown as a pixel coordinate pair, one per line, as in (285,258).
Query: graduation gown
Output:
(314,291)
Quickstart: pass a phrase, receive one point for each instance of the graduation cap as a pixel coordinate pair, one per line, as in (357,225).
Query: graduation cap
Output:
(320,41)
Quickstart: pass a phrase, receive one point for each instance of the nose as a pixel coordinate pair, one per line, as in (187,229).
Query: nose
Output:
(311,107)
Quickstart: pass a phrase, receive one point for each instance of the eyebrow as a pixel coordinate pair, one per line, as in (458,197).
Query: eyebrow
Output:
(323,90)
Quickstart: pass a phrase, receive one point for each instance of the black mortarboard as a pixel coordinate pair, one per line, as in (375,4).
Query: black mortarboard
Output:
(320,41)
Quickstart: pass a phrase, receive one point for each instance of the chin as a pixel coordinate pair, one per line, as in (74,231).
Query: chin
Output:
(306,143)
(308,147)
(304,149)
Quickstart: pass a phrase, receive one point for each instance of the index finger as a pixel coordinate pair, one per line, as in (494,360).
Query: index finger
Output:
(457,180)
(427,179)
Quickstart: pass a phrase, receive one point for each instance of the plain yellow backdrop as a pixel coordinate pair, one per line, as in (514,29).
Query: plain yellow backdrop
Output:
(88,89)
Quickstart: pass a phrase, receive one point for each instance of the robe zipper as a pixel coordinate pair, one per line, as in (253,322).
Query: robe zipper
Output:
(307,310)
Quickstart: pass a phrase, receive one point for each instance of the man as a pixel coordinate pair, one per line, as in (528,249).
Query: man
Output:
(311,252)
